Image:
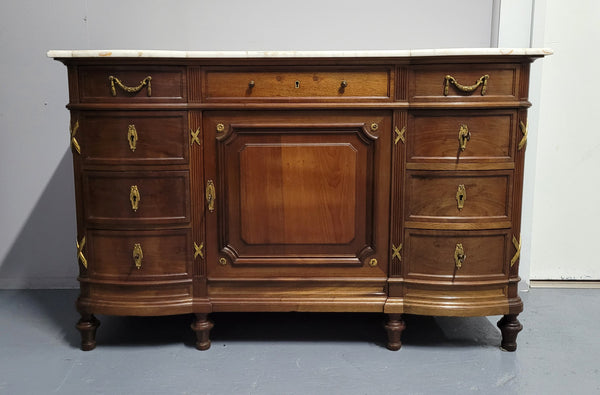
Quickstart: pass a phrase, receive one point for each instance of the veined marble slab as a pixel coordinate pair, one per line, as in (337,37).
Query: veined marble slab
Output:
(138,53)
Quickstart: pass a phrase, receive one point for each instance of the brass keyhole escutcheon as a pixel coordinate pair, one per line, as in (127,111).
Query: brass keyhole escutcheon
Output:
(463,136)
(134,197)
(132,137)
(373,262)
(461,196)
(297,84)
(459,255)
(138,255)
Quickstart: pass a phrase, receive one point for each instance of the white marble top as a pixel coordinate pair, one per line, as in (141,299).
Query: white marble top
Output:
(143,53)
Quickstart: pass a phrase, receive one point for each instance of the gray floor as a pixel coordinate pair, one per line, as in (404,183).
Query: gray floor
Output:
(559,352)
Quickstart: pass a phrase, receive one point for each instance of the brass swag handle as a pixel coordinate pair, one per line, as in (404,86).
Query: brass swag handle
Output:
(132,137)
(130,89)
(466,88)
(134,197)
(463,136)
(459,255)
(461,196)
(138,255)
(210,195)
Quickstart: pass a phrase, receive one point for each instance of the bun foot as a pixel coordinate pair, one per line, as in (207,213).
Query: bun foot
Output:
(202,327)
(87,326)
(510,327)
(394,327)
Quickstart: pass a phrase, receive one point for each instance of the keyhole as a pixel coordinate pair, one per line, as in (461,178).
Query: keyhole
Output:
(131,138)
(460,197)
(297,84)
(134,199)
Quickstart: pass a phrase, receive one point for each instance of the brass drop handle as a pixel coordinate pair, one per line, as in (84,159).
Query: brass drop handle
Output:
(461,196)
(130,89)
(134,197)
(459,255)
(210,195)
(138,255)
(344,84)
(251,84)
(463,136)
(132,137)
(466,88)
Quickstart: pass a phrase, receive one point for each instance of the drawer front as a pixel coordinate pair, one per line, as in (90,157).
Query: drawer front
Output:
(163,255)
(132,84)
(464,82)
(333,85)
(133,137)
(458,196)
(461,136)
(430,255)
(137,197)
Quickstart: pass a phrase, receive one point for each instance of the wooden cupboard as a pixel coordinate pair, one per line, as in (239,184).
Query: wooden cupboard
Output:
(381,182)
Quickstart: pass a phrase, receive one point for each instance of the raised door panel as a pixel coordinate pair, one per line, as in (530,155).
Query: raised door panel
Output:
(297,192)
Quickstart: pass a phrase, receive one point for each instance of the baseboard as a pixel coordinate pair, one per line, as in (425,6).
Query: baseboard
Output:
(564,284)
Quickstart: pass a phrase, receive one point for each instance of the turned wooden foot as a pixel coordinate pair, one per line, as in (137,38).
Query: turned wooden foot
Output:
(87,326)
(202,327)
(394,327)
(510,327)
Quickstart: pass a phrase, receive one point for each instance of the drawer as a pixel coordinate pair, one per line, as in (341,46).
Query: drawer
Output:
(124,83)
(458,197)
(456,137)
(134,198)
(224,85)
(133,137)
(164,255)
(464,82)
(430,255)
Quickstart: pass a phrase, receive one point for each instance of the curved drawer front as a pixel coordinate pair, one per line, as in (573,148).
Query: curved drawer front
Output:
(133,137)
(464,82)
(122,83)
(122,256)
(451,197)
(456,137)
(136,198)
(430,255)
(224,85)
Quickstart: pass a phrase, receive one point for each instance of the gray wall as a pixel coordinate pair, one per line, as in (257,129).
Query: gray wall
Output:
(37,231)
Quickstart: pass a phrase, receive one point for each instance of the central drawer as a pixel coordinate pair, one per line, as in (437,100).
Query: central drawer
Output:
(234,85)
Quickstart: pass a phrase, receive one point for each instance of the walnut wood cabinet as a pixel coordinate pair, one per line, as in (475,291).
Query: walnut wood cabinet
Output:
(375,182)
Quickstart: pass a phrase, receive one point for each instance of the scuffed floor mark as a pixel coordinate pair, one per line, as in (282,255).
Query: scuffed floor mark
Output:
(502,381)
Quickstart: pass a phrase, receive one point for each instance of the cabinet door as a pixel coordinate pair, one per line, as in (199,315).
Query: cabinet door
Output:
(297,193)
